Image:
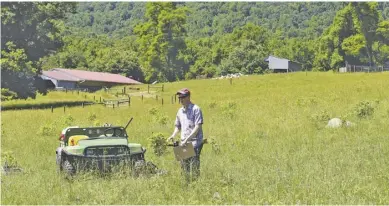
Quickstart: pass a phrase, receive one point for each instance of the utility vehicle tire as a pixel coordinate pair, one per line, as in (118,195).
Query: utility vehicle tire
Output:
(58,162)
(68,168)
(138,168)
(151,168)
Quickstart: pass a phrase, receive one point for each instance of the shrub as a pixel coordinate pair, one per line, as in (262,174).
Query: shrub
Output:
(162,119)
(229,109)
(9,159)
(47,130)
(364,109)
(321,116)
(6,94)
(92,116)
(158,143)
(212,105)
(158,117)
(68,120)
(153,111)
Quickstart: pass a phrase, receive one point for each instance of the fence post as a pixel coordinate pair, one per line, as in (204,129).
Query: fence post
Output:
(142,97)
(83,105)
(162,100)
(148,88)
(129,100)
(64,109)
(100,99)
(113,106)
(78,92)
(175,98)
(162,87)
(51,109)
(66,90)
(118,103)
(156,97)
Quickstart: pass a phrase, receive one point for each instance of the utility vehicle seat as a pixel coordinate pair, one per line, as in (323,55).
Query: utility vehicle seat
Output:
(73,140)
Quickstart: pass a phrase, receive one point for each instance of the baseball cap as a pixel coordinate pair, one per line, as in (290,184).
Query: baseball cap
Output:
(183,92)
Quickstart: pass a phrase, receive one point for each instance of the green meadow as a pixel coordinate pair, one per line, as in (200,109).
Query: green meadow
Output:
(268,144)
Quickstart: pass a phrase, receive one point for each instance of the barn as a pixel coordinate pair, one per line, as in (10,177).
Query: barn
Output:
(277,64)
(80,79)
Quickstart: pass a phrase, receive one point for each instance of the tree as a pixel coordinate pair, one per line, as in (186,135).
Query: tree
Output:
(30,30)
(161,38)
(351,37)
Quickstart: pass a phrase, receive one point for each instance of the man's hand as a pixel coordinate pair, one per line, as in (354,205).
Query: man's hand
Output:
(176,130)
(183,143)
(170,138)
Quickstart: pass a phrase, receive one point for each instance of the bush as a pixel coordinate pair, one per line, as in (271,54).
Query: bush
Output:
(212,105)
(6,94)
(9,159)
(153,111)
(158,143)
(162,119)
(364,109)
(47,130)
(92,117)
(158,117)
(68,120)
(321,116)
(229,109)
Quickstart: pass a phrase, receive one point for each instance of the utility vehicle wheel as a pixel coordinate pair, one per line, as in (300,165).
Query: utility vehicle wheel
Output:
(68,168)
(138,168)
(58,161)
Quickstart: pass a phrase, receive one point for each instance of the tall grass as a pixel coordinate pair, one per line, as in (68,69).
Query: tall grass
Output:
(273,147)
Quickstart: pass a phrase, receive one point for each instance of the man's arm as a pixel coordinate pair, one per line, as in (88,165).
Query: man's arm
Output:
(177,128)
(193,133)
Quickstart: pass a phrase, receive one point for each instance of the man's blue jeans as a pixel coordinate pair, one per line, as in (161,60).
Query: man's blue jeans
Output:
(191,166)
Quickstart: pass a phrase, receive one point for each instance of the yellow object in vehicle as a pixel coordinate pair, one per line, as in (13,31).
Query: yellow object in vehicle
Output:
(73,140)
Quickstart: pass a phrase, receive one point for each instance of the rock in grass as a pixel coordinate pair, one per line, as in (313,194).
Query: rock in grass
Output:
(334,123)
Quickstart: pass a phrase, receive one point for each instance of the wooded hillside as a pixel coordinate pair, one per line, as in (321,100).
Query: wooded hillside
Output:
(174,41)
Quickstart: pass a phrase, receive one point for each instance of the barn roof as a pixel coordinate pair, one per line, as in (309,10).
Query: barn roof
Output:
(75,75)
(278,58)
(59,76)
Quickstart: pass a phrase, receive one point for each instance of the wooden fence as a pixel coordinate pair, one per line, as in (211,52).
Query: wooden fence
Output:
(155,87)
(362,68)
(66,90)
(117,102)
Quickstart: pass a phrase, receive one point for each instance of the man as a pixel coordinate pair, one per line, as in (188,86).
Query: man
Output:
(189,121)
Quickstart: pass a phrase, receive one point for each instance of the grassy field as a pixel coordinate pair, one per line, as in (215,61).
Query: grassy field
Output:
(270,131)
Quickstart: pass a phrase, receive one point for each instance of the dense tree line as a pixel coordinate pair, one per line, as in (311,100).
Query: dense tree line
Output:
(29,31)
(172,41)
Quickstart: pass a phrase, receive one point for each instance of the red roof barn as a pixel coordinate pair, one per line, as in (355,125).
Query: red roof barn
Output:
(73,78)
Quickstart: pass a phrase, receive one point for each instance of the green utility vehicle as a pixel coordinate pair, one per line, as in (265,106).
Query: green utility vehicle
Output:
(100,148)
